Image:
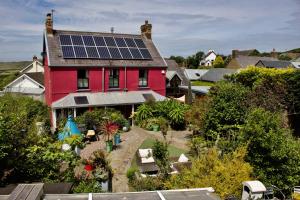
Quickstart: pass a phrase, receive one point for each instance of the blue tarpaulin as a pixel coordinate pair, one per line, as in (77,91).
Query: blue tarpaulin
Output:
(69,129)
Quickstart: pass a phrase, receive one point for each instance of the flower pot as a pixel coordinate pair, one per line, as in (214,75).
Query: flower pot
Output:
(155,127)
(109,146)
(117,139)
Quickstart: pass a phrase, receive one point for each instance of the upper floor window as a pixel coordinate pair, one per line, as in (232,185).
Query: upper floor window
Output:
(143,78)
(82,79)
(114,78)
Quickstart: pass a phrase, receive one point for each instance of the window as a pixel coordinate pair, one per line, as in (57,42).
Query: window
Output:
(82,79)
(114,78)
(143,78)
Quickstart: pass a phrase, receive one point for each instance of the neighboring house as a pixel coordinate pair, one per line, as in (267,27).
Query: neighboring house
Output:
(84,70)
(29,84)
(274,64)
(35,66)
(175,77)
(248,52)
(194,74)
(296,63)
(245,61)
(217,74)
(209,58)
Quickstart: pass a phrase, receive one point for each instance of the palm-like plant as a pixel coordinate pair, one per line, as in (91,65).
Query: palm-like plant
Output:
(109,128)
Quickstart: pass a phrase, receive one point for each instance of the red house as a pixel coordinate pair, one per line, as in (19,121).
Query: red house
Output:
(84,70)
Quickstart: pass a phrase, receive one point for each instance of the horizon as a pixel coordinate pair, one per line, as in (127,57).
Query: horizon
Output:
(179,29)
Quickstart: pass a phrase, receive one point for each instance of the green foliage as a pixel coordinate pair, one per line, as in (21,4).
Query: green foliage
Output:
(219,62)
(178,59)
(255,52)
(224,173)
(284,57)
(148,184)
(202,83)
(88,186)
(131,173)
(5,79)
(161,155)
(144,111)
(272,151)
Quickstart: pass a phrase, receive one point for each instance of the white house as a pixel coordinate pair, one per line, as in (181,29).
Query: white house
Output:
(35,66)
(209,58)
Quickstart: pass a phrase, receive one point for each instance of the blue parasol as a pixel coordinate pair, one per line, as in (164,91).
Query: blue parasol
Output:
(69,129)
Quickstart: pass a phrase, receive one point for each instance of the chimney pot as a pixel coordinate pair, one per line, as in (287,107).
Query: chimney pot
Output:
(146,30)
(49,24)
(34,58)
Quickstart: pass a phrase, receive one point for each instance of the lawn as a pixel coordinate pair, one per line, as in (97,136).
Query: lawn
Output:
(148,143)
(202,83)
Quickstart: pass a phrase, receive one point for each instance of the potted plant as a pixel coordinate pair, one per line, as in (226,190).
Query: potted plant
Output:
(109,128)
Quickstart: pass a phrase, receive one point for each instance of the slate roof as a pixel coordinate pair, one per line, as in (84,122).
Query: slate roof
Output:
(173,67)
(194,74)
(55,57)
(217,74)
(37,76)
(274,64)
(245,61)
(107,99)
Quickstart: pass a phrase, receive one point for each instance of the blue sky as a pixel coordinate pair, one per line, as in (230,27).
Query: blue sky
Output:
(180,27)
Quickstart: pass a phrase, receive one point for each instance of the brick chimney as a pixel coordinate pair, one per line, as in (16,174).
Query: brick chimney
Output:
(34,58)
(274,54)
(146,30)
(234,53)
(49,24)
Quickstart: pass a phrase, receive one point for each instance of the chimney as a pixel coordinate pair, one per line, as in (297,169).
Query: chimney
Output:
(234,53)
(274,54)
(34,58)
(146,30)
(49,24)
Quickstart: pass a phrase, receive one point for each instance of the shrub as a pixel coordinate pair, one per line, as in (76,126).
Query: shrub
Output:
(131,173)
(144,111)
(148,184)
(87,186)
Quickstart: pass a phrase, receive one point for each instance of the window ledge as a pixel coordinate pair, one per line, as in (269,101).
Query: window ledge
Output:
(83,90)
(113,89)
(143,87)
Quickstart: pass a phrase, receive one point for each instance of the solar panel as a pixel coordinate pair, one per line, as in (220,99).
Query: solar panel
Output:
(130,42)
(145,53)
(120,42)
(99,41)
(140,43)
(98,47)
(103,52)
(125,53)
(80,52)
(65,40)
(110,41)
(88,40)
(77,40)
(114,52)
(135,53)
(81,100)
(68,52)
(92,52)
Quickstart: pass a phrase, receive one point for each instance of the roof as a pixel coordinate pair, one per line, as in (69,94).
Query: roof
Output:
(37,76)
(197,89)
(216,74)
(255,186)
(296,64)
(55,58)
(209,52)
(106,99)
(173,67)
(274,64)
(194,74)
(245,61)
(28,66)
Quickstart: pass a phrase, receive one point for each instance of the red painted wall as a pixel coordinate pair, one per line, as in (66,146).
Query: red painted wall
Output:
(60,81)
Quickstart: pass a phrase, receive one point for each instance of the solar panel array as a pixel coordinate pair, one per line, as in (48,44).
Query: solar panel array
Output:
(98,47)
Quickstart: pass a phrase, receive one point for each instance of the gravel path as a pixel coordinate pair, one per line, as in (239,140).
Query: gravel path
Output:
(120,158)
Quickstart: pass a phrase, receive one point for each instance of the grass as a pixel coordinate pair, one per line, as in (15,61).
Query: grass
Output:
(148,143)
(202,83)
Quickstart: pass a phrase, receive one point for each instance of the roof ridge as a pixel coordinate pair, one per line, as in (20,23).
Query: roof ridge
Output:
(93,32)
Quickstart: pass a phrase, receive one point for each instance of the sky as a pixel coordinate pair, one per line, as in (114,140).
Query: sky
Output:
(179,27)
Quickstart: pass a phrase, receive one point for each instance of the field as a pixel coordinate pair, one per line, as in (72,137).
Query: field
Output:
(202,83)
(9,71)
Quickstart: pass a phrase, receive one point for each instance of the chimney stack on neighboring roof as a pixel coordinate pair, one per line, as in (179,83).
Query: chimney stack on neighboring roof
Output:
(49,24)
(146,30)
(234,53)
(274,54)
(34,58)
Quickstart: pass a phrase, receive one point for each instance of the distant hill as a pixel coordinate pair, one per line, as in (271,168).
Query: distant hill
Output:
(294,50)
(11,66)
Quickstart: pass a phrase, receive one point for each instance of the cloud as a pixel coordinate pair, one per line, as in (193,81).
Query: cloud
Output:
(179,27)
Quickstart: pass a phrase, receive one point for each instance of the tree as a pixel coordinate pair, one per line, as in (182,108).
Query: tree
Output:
(272,151)
(199,56)
(284,57)
(161,155)
(224,173)
(219,62)
(178,59)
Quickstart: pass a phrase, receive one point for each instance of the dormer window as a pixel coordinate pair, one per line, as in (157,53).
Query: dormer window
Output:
(82,79)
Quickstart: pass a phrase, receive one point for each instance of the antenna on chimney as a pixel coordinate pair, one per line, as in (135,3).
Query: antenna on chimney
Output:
(112,29)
